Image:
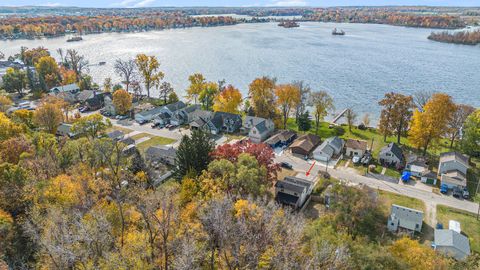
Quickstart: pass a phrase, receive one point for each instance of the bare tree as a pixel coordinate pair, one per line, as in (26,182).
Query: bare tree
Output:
(2,55)
(420,98)
(62,55)
(456,123)
(351,117)
(165,89)
(76,62)
(127,69)
(366,119)
(304,96)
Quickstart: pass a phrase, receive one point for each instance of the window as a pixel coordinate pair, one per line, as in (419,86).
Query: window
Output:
(393,224)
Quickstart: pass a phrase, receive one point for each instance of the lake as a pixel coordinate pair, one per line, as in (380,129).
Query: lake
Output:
(356,69)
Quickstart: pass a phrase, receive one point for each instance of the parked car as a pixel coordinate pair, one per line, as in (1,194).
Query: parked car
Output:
(457,192)
(439,226)
(142,122)
(356,159)
(465,193)
(444,189)
(366,159)
(286,165)
(121,117)
(83,109)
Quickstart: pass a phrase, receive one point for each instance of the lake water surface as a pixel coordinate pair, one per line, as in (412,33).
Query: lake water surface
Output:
(356,69)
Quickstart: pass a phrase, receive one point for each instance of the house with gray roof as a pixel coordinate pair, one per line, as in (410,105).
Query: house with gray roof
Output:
(223,122)
(72,88)
(451,243)
(281,139)
(116,135)
(65,129)
(452,169)
(184,116)
(330,148)
(293,191)
(257,128)
(406,218)
(391,155)
(161,153)
(148,115)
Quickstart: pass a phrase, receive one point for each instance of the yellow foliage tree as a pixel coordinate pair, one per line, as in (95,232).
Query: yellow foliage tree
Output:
(262,96)
(48,71)
(417,256)
(68,76)
(48,116)
(5,103)
(122,100)
(429,126)
(64,191)
(288,97)
(197,83)
(228,100)
(8,128)
(149,69)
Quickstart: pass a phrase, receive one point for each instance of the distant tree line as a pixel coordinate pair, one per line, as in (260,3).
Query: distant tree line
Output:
(461,37)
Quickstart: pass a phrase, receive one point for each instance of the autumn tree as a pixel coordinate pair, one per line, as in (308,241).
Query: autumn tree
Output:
(48,116)
(207,95)
(366,120)
(428,126)
(5,103)
(91,125)
(416,255)
(48,72)
(262,97)
(321,103)
(32,56)
(470,142)
(149,68)
(172,98)
(68,76)
(127,70)
(458,120)
(76,62)
(122,101)
(396,115)
(420,98)
(193,154)
(197,83)
(8,128)
(351,117)
(107,85)
(228,100)
(288,97)
(15,81)
(165,89)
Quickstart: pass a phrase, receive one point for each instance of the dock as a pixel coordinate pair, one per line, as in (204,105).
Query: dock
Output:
(340,115)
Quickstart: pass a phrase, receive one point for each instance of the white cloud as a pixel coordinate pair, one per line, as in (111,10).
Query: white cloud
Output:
(133,3)
(144,3)
(289,3)
(50,4)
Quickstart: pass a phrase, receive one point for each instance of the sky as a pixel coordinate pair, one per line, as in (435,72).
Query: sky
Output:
(236,3)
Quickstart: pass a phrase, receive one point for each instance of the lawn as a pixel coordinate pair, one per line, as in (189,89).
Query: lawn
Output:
(392,198)
(122,129)
(155,140)
(392,173)
(140,135)
(284,172)
(469,224)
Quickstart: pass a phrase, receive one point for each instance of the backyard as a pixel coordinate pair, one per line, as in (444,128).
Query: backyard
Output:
(469,224)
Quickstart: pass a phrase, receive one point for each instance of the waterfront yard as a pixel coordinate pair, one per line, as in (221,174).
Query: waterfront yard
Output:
(469,224)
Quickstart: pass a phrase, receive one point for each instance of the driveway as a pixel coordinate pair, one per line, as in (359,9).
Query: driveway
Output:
(175,134)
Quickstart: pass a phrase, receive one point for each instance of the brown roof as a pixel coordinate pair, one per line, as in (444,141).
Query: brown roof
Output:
(306,142)
(356,144)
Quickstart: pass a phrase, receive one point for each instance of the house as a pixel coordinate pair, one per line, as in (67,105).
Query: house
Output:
(184,116)
(97,101)
(127,141)
(164,114)
(258,129)
(452,169)
(391,155)
(304,145)
(84,95)
(223,122)
(330,148)
(416,165)
(428,177)
(282,138)
(293,191)
(148,115)
(72,88)
(451,243)
(406,218)
(116,135)
(161,153)
(108,106)
(199,118)
(453,161)
(355,147)
(65,129)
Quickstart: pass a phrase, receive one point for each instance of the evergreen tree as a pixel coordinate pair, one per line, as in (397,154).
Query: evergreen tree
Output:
(193,154)
(304,123)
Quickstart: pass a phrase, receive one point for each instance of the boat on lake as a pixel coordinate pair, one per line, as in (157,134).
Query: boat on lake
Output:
(337,32)
(74,39)
(289,24)
(102,63)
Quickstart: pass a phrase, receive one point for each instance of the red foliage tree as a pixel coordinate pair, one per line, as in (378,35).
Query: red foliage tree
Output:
(262,152)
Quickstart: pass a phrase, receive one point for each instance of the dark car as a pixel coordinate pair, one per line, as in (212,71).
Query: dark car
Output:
(465,193)
(457,192)
(286,165)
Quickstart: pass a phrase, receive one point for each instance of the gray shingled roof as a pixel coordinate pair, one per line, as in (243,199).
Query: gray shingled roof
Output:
(176,106)
(454,156)
(450,238)
(394,149)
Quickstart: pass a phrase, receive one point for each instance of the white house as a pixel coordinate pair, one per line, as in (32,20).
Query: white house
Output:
(148,115)
(451,243)
(258,129)
(406,218)
(391,155)
(329,148)
(293,191)
(355,147)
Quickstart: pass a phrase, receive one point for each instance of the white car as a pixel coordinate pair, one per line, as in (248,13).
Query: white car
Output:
(356,159)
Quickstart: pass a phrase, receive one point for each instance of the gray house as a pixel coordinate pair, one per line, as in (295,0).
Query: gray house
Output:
(161,153)
(148,115)
(328,149)
(218,123)
(451,243)
(257,128)
(65,129)
(293,191)
(391,155)
(406,218)
(184,116)
(452,169)
(72,88)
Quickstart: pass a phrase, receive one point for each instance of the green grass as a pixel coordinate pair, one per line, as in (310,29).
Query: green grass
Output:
(141,135)
(389,198)
(468,223)
(122,129)
(392,173)
(142,147)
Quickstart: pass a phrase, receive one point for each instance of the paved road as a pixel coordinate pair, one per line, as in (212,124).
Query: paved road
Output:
(350,176)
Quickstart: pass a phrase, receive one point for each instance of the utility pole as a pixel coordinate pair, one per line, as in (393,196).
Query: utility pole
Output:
(478,198)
